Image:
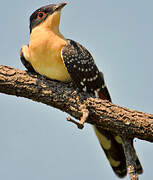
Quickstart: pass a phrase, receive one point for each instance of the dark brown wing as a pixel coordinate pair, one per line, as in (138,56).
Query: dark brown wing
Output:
(86,77)
(25,62)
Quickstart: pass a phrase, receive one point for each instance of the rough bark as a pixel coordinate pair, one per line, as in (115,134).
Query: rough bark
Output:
(119,120)
(130,160)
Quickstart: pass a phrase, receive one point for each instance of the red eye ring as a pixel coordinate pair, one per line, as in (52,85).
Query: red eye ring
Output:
(41,15)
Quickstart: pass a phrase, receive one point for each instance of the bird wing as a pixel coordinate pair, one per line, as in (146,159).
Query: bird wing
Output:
(86,76)
(25,62)
(81,67)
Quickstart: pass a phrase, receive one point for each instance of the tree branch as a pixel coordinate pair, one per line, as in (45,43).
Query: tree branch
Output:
(119,120)
(130,159)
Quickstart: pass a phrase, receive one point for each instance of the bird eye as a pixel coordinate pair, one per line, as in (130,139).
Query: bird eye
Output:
(41,15)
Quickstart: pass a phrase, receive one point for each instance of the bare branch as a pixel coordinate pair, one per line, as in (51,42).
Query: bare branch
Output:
(122,121)
(130,162)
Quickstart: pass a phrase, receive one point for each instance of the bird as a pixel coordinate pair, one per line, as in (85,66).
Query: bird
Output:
(52,55)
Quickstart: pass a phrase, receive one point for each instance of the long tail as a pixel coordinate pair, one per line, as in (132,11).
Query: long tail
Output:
(112,145)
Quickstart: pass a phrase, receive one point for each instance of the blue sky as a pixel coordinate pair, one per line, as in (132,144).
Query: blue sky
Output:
(37,142)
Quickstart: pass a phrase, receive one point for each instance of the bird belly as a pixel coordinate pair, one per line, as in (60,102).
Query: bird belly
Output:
(51,68)
(45,57)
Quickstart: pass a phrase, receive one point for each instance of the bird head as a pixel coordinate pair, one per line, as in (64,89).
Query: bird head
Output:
(47,16)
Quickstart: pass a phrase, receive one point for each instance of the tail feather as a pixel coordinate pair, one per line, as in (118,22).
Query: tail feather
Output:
(138,164)
(112,146)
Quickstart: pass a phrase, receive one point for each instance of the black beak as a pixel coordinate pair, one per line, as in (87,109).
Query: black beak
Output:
(59,6)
